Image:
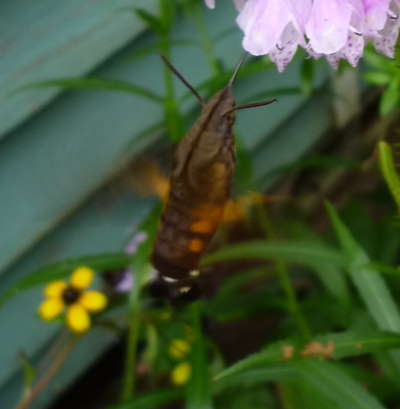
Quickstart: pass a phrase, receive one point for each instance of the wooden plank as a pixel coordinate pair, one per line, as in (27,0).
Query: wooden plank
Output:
(45,39)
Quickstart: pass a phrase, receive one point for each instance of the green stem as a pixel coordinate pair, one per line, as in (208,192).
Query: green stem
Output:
(207,44)
(133,335)
(286,283)
(198,391)
(172,115)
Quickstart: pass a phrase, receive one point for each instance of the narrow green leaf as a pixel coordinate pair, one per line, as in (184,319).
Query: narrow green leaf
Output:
(307,75)
(151,20)
(389,171)
(282,371)
(140,264)
(329,346)
(329,380)
(101,262)
(28,371)
(299,252)
(390,97)
(334,279)
(384,268)
(379,61)
(370,284)
(94,83)
(198,391)
(377,77)
(151,400)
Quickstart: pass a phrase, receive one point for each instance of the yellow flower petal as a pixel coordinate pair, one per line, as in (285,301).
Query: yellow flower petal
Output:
(51,308)
(82,277)
(179,348)
(55,289)
(78,319)
(181,374)
(93,300)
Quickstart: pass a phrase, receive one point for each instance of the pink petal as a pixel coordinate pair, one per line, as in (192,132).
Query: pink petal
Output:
(376,13)
(283,54)
(263,22)
(328,25)
(386,43)
(301,10)
(210,4)
(353,49)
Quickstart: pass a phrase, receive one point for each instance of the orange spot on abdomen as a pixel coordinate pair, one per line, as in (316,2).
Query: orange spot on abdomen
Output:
(202,227)
(196,246)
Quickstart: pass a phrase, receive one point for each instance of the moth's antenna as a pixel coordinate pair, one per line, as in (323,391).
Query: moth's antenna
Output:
(237,69)
(252,105)
(182,78)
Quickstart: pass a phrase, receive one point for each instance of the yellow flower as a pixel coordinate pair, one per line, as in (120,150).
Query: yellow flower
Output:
(179,348)
(181,374)
(78,302)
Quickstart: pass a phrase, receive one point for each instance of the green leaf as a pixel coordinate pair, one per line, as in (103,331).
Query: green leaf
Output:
(198,391)
(307,75)
(369,283)
(390,97)
(334,279)
(389,171)
(54,271)
(330,381)
(379,61)
(282,371)
(151,20)
(28,371)
(151,400)
(297,251)
(94,83)
(168,11)
(384,268)
(140,264)
(330,346)
(377,77)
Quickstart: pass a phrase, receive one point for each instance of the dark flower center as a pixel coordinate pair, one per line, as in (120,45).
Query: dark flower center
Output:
(71,295)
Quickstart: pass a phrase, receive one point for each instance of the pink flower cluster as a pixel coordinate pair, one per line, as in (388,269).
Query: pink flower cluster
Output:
(332,28)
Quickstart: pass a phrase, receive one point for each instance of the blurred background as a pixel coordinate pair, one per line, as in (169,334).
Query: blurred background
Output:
(89,111)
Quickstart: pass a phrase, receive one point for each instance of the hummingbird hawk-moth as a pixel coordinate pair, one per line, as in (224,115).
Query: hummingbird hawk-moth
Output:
(200,184)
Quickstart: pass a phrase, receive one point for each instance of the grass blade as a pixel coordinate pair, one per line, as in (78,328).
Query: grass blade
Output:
(369,283)
(329,346)
(198,392)
(330,381)
(94,83)
(297,251)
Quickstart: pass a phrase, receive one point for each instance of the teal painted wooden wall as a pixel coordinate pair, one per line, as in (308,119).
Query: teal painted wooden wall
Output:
(58,156)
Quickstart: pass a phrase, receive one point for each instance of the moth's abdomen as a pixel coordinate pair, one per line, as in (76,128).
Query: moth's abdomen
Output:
(183,235)
(189,222)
